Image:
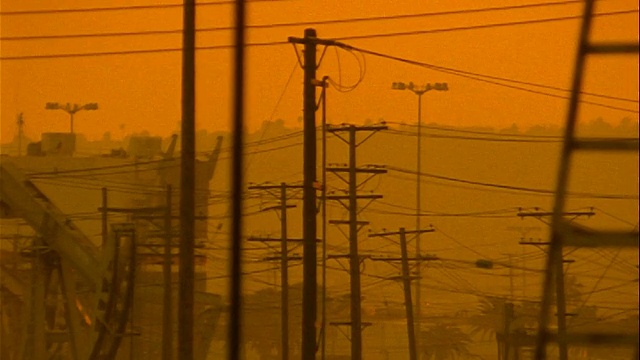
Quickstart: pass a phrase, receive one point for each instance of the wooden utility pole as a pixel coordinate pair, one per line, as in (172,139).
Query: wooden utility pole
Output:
(237,181)
(167,310)
(309,210)
(561,303)
(354,225)
(186,269)
(508,319)
(406,282)
(309,283)
(284,259)
(284,274)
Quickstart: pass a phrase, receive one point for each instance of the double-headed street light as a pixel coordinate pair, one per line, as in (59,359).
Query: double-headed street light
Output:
(71,109)
(419,90)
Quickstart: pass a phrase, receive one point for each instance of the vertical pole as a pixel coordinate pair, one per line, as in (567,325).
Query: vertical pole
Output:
(555,247)
(418,215)
(508,318)
(167,331)
(407,296)
(284,273)
(324,216)
(354,259)
(309,200)
(71,125)
(67,285)
(524,274)
(105,218)
(187,186)
(237,182)
(511,295)
(562,310)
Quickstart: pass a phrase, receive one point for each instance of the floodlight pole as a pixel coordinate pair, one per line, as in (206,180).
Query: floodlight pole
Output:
(71,109)
(419,90)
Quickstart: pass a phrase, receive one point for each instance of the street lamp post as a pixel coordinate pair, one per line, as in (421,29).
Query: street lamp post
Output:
(71,109)
(419,90)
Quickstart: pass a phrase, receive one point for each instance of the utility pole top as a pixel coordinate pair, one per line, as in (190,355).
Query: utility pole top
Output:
(268,186)
(346,127)
(382,234)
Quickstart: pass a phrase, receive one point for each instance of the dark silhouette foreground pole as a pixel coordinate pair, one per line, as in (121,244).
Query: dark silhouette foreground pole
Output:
(187,185)
(237,182)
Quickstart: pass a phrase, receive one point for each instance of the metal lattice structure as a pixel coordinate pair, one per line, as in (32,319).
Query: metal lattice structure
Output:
(565,234)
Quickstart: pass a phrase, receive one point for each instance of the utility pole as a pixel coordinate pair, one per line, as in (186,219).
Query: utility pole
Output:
(508,319)
(323,338)
(309,290)
(167,331)
(561,302)
(186,271)
(284,258)
(406,279)
(309,283)
(354,225)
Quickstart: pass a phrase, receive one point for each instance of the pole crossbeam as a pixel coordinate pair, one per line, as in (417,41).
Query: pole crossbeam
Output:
(550,213)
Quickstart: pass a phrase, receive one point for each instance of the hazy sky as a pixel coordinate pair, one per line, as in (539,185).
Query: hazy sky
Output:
(141,91)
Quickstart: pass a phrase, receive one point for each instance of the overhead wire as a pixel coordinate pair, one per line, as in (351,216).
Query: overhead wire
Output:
(120,8)
(259,26)
(274,43)
(490,79)
(517,188)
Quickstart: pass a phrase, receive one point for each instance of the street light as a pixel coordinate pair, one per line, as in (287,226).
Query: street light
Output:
(419,90)
(71,109)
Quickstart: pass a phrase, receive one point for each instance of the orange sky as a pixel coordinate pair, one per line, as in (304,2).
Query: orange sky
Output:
(142,91)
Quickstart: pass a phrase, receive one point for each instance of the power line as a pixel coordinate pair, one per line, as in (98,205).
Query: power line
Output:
(119,8)
(491,79)
(482,26)
(133,52)
(517,188)
(436,136)
(478,132)
(319,22)
(276,43)
(278,25)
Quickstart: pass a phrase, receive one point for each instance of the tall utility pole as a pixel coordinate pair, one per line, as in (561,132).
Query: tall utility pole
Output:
(354,225)
(406,281)
(167,308)
(323,338)
(309,290)
(419,90)
(237,181)
(561,303)
(186,270)
(309,283)
(284,258)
